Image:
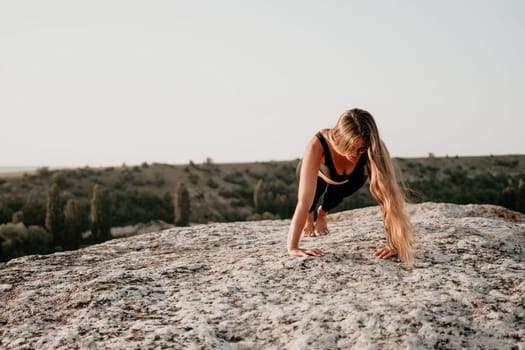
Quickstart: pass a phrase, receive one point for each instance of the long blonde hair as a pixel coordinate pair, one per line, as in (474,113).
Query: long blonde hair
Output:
(357,123)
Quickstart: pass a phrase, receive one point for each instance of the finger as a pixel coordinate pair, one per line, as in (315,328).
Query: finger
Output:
(387,255)
(315,252)
(379,252)
(383,253)
(300,253)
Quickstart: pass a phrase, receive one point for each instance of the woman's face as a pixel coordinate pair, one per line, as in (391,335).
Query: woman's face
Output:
(357,149)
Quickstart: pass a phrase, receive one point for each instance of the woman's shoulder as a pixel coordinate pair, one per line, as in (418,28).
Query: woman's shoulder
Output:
(314,146)
(324,132)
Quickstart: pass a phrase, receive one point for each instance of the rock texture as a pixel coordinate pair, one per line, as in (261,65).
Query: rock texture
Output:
(232,286)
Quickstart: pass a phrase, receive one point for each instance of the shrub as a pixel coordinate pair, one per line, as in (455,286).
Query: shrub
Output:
(138,182)
(238,203)
(13,237)
(59,178)
(253,217)
(158,179)
(43,172)
(506,163)
(131,207)
(235,178)
(251,174)
(18,240)
(211,183)
(285,173)
(182,206)
(38,240)
(194,178)
(233,215)
(269,216)
(8,206)
(199,196)
(192,165)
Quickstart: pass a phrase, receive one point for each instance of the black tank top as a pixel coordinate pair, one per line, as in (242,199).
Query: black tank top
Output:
(359,173)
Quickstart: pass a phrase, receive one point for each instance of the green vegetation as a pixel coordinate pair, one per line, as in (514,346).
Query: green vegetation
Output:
(100,215)
(19,240)
(54,215)
(72,225)
(182,206)
(51,210)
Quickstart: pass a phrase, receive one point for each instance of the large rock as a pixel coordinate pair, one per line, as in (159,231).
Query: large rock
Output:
(232,286)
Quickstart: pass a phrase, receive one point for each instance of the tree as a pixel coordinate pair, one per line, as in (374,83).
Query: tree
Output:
(59,178)
(72,225)
(182,206)
(520,196)
(54,216)
(99,215)
(257,194)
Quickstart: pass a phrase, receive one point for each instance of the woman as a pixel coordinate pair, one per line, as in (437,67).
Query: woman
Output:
(336,163)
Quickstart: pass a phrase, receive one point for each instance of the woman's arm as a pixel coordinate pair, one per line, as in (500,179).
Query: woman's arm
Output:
(307,185)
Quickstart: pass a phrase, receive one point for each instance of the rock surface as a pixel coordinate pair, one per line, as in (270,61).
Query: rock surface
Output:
(232,286)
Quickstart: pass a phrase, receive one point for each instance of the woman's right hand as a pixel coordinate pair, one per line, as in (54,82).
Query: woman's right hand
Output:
(305,252)
(305,197)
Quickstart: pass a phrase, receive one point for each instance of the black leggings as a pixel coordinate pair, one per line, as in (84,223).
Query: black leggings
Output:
(334,194)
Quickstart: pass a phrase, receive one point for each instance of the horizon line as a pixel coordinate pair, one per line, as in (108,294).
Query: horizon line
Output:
(19,168)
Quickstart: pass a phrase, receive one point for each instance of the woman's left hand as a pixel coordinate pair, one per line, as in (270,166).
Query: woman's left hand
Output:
(386,253)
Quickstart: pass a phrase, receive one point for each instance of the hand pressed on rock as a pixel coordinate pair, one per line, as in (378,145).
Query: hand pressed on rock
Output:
(386,253)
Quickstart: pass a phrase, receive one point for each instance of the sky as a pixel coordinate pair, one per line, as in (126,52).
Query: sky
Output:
(102,83)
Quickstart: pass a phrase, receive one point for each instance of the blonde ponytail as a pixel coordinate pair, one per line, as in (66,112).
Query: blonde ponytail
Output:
(357,123)
(385,189)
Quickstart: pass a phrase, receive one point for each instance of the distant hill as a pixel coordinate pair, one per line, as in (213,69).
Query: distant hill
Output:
(225,192)
(13,171)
